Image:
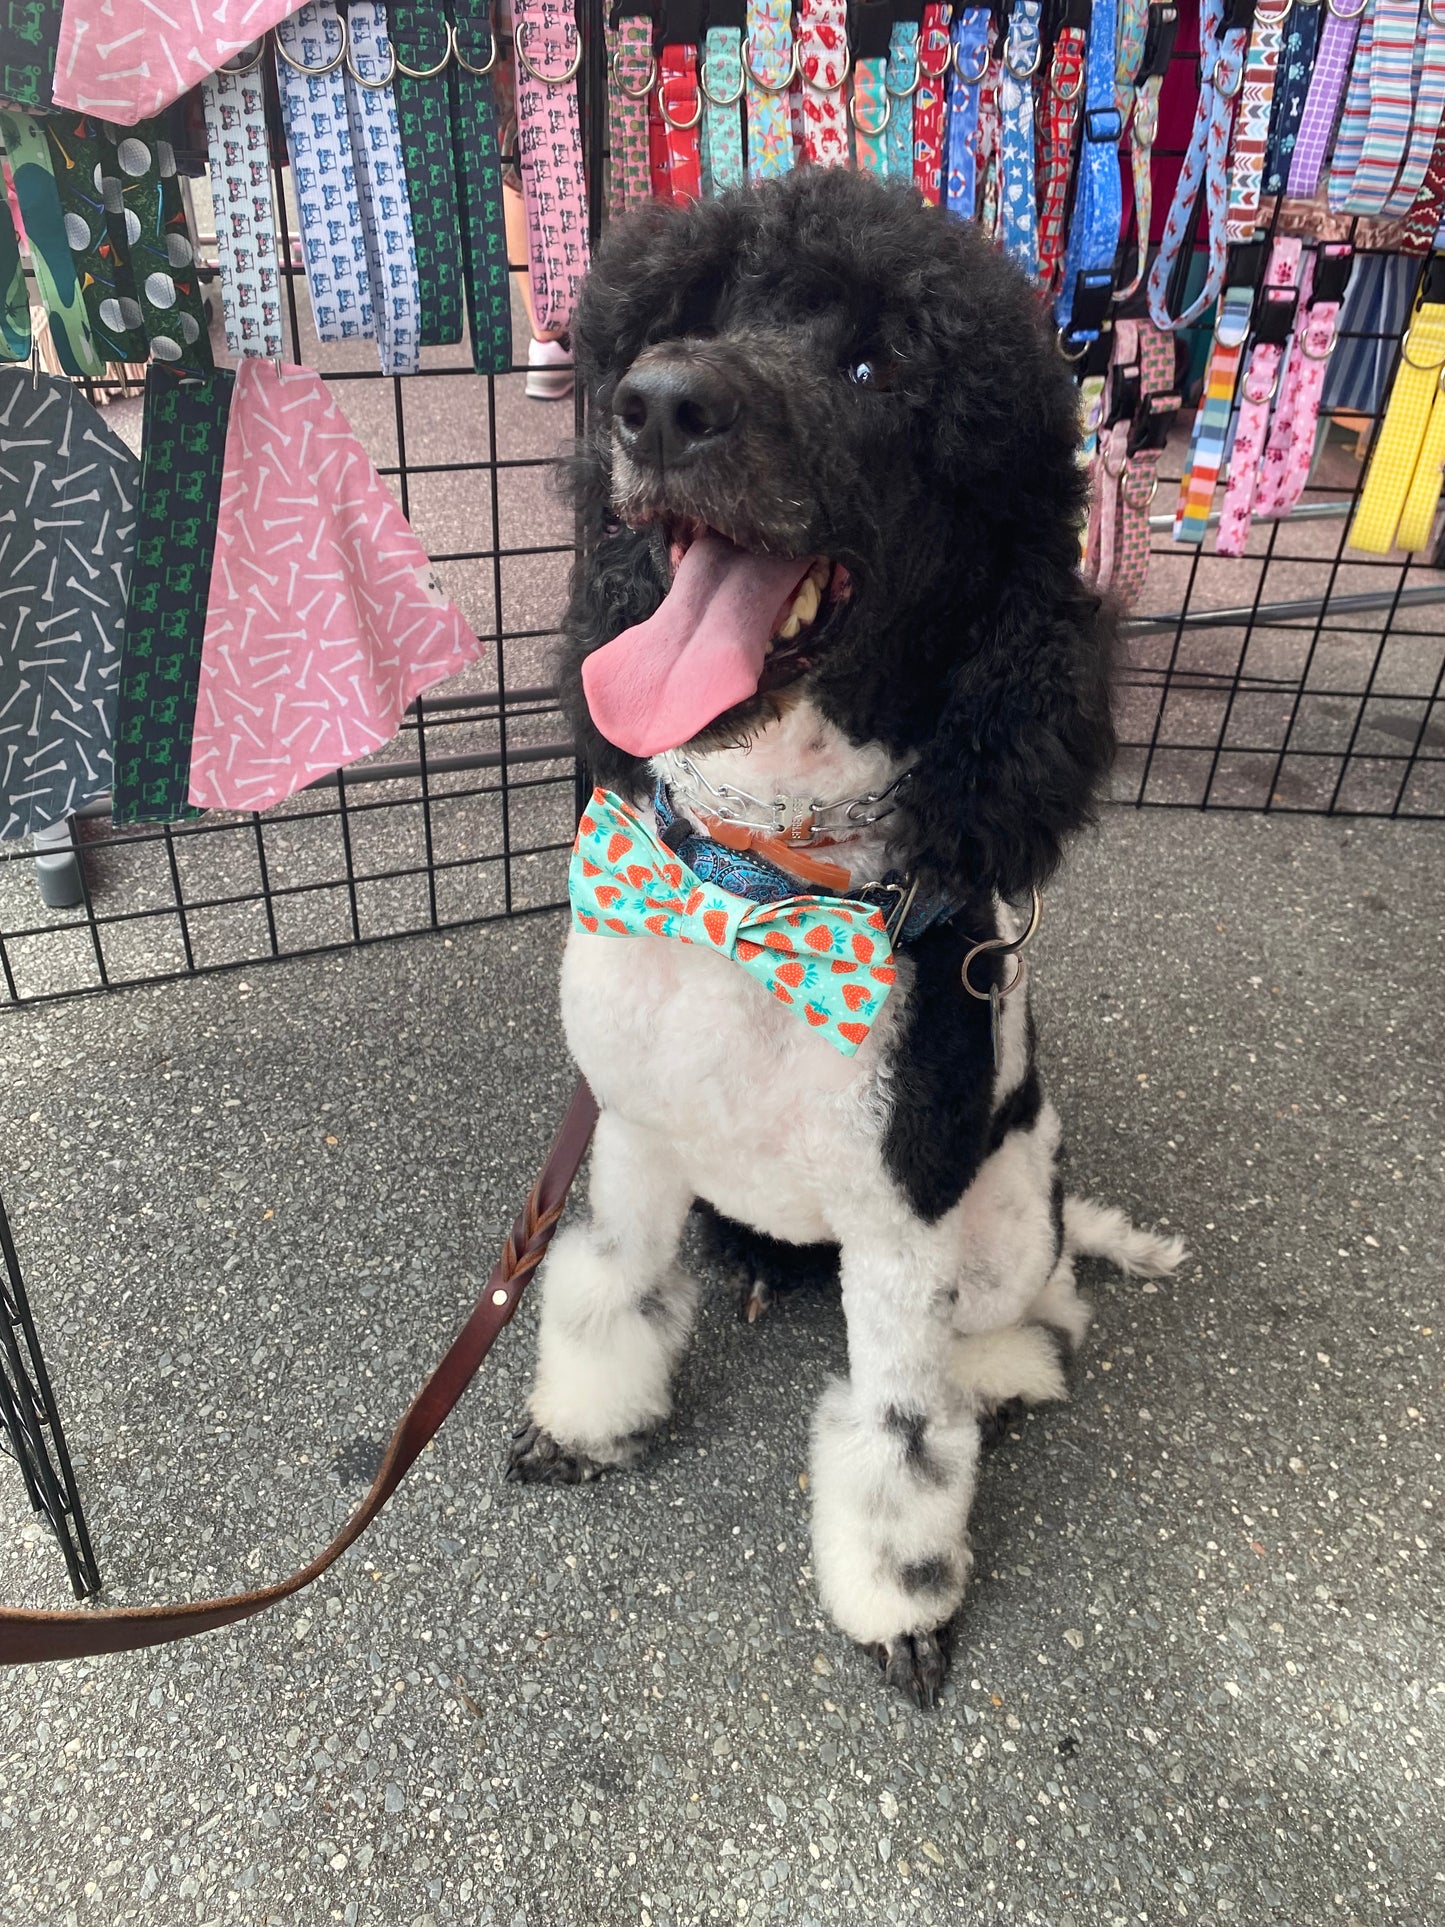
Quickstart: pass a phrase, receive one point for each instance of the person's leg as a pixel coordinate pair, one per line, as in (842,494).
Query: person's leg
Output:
(549,361)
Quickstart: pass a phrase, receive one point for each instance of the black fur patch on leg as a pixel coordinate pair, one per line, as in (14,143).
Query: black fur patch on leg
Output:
(995,1426)
(767,1266)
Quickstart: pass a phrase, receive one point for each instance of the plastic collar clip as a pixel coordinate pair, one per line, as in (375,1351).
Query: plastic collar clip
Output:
(1124,392)
(1274,317)
(1238,13)
(1151,425)
(1159,38)
(1093,294)
(1332,271)
(680,24)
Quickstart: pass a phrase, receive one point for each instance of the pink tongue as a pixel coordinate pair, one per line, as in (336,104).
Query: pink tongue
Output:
(655,686)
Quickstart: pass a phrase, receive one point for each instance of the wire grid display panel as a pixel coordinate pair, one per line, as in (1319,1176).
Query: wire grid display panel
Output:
(467,815)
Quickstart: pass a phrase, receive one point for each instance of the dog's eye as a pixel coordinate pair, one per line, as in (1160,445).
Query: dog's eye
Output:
(862,374)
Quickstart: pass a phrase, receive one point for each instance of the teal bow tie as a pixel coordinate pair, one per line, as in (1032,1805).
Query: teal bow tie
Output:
(829,959)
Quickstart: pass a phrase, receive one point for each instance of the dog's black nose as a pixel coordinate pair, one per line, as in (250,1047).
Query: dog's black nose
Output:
(671,409)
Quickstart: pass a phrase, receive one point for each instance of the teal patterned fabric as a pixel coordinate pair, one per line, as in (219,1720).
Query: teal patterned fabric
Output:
(29,35)
(55,278)
(901,78)
(722,127)
(420,39)
(107,287)
(14,301)
(183,454)
(478,152)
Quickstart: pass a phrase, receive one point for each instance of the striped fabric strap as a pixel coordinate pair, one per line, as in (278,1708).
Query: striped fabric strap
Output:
(969,63)
(234,105)
(1251,126)
(312,85)
(1274,324)
(1098,199)
(934,64)
(1017,212)
(769,58)
(823,68)
(1063,98)
(381,189)
(1404,467)
(1290,450)
(631,73)
(1381,94)
(1212,418)
(901,79)
(1204,170)
(1291,90)
(722,114)
(1429,115)
(1322,104)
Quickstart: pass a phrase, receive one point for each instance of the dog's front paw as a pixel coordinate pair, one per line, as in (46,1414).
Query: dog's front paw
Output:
(536,1458)
(916,1664)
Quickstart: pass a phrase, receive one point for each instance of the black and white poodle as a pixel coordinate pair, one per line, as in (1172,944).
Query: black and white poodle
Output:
(829,637)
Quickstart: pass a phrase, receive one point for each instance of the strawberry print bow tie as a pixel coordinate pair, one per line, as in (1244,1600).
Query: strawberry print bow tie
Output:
(828,959)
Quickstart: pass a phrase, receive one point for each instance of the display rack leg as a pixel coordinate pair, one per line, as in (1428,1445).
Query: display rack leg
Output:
(30,1427)
(57,866)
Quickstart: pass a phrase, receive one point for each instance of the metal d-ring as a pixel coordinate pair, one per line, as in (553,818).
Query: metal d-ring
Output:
(1078,355)
(770,86)
(1420,367)
(869,133)
(460,58)
(372,86)
(974,80)
(906,93)
(1003,947)
(637,93)
(936,73)
(519,42)
(681,126)
(318,73)
(1025,73)
(248,66)
(425,73)
(720,100)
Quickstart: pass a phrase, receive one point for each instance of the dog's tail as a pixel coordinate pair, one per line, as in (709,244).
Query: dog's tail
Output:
(1100,1231)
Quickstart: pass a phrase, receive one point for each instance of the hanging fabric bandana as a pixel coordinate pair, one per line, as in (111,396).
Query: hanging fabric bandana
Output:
(381,188)
(476,151)
(631,75)
(29,33)
(829,959)
(124,60)
(147,224)
(549,141)
(421,42)
(24,141)
(68,488)
(324,621)
(234,105)
(183,446)
(107,286)
(310,47)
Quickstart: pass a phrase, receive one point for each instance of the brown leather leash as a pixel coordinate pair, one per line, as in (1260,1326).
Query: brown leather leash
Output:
(26,1637)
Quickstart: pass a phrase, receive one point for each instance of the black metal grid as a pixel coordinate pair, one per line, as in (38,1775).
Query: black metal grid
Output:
(1302,677)
(30,1428)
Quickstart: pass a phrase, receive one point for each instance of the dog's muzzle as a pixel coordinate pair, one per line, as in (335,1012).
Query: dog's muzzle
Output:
(671,408)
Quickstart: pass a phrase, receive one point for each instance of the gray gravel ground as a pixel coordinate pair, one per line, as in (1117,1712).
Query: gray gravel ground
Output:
(1199,1676)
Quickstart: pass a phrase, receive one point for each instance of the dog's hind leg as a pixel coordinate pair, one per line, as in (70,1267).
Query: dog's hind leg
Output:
(616,1310)
(895,1451)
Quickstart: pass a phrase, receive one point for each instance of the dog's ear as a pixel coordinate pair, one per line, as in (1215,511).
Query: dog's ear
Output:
(1025,732)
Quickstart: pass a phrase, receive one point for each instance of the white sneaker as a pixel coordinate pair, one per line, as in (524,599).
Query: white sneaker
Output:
(549,371)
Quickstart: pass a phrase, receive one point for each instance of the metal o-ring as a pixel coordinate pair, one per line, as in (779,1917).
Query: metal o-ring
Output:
(519,43)
(465,64)
(720,100)
(318,73)
(973,80)
(1420,367)
(249,66)
(770,86)
(1024,73)
(637,93)
(869,133)
(937,73)
(424,73)
(372,86)
(905,93)
(1075,355)
(681,126)
(1004,990)
(1226,93)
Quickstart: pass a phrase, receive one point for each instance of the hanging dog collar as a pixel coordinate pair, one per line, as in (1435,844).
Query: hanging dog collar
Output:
(631,76)
(548,46)
(1291,447)
(1322,103)
(723,85)
(376,151)
(822,72)
(233,101)
(1274,321)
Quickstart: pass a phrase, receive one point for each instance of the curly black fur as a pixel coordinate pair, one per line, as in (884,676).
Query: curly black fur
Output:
(947,485)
